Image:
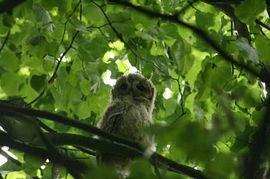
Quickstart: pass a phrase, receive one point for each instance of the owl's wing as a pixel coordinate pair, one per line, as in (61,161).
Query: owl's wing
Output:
(112,118)
(111,123)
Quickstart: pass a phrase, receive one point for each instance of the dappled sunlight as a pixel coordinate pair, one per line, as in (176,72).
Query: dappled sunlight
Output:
(167,94)
(106,76)
(3,160)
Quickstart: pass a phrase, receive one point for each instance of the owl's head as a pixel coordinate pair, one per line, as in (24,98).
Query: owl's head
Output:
(136,87)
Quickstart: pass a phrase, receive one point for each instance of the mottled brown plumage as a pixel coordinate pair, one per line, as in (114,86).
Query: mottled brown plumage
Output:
(129,112)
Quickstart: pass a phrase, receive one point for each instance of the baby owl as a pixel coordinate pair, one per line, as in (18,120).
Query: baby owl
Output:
(129,112)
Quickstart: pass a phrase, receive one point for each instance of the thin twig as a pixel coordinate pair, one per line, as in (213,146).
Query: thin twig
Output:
(54,75)
(262,24)
(202,34)
(190,3)
(36,151)
(71,165)
(119,35)
(61,58)
(52,78)
(37,98)
(180,92)
(47,128)
(67,20)
(5,41)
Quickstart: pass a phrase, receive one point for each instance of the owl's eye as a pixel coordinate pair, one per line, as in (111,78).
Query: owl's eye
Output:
(123,86)
(141,87)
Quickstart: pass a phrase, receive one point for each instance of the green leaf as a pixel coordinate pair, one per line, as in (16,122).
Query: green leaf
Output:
(99,100)
(32,164)
(11,87)
(248,10)
(85,87)
(247,50)
(246,95)
(38,82)
(43,17)
(94,15)
(9,61)
(204,19)
(221,166)
(92,50)
(83,110)
(157,49)
(262,43)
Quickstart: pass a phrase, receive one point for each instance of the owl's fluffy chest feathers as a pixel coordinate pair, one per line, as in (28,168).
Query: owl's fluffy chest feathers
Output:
(126,119)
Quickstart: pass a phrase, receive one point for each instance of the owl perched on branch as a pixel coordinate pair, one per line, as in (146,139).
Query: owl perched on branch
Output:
(129,112)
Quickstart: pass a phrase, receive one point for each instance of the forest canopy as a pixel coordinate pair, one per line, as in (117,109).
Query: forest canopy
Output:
(209,61)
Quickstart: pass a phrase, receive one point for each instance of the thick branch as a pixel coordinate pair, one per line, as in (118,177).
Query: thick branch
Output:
(257,147)
(130,148)
(5,140)
(66,162)
(241,27)
(109,147)
(197,31)
(9,5)
(11,110)
(10,158)
(268,7)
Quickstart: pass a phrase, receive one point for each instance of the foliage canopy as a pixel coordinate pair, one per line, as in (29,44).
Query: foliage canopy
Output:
(209,61)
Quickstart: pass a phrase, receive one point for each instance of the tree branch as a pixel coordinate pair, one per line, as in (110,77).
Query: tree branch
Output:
(9,5)
(203,35)
(5,41)
(119,35)
(262,24)
(267,2)
(62,56)
(257,146)
(11,110)
(130,148)
(69,164)
(229,11)
(185,7)
(6,140)
(106,146)
(54,75)
(10,158)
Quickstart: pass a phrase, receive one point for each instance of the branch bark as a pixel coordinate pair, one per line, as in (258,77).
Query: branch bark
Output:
(9,5)
(241,27)
(6,140)
(12,110)
(257,147)
(124,146)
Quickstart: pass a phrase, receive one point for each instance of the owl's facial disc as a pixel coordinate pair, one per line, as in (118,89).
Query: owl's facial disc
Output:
(141,90)
(134,87)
